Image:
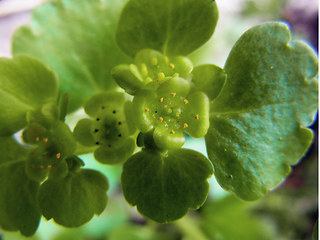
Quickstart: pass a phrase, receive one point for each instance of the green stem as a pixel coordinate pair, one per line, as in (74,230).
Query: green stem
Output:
(190,229)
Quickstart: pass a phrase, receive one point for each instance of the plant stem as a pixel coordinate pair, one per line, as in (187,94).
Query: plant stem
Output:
(190,229)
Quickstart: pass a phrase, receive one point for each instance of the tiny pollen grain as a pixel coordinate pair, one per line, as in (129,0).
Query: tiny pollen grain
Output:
(146,109)
(171,66)
(173,94)
(185,125)
(58,155)
(161,99)
(160,119)
(197,117)
(171,132)
(185,101)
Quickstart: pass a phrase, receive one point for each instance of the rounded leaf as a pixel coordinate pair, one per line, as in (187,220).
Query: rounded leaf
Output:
(165,186)
(72,201)
(172,27)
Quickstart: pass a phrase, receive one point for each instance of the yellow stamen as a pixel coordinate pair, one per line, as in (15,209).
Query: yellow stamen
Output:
(58,155)
(173,94)
(197,117)
(49,167)
(161,76)
(171,66)
(160,119)
(161,100)
(144,70)
(146,109)
(37,139)
(185,125)
(171,132)
(185,101)
(45,140)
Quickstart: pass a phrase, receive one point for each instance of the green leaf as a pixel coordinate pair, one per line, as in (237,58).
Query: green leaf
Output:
(76,39)
(230,218)
(25,84)
(257,121)
(209,79)
(19,209)
(171,27)
(315,232)
(165,186)
(72,201)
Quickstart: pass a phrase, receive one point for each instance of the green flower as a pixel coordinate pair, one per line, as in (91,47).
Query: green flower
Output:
(52,143)
(108,128)
(172,110)
(150,69)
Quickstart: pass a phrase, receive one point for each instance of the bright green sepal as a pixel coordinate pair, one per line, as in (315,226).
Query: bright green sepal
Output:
(165,138)
(63,139)
(196,115)
(115,154)
(19,208)
(257,123)
(103,101)
(59,170)
(25,84)
(74,200)
(79,44)
(128,77)
(165,186)
(83,132)
(172,27)
(209,79)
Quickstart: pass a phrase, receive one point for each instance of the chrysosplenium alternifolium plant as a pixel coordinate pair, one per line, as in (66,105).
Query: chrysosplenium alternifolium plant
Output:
(142,98)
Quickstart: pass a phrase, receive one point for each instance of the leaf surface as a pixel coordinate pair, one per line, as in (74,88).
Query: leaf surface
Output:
(18,203)
(171,27)
(25,84)
(257,123)
(76,39)
(72,201)
(165,187)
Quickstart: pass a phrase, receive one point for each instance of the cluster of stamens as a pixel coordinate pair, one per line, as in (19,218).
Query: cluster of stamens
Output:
(167,111)
(156,66)
(96,130)
(49,166)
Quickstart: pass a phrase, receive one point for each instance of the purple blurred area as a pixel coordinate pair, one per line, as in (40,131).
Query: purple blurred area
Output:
(303,19)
